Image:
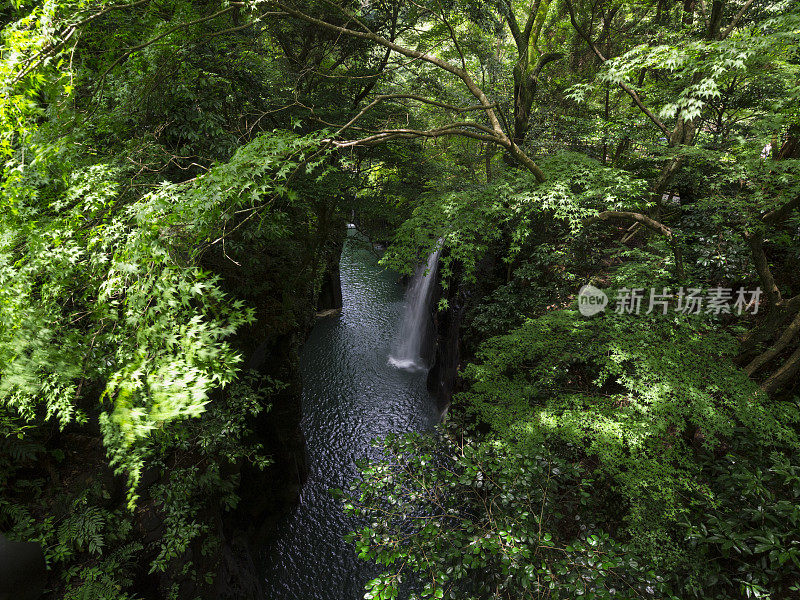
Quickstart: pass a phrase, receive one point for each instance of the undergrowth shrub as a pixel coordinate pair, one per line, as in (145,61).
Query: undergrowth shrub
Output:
(464,517)
(615,457)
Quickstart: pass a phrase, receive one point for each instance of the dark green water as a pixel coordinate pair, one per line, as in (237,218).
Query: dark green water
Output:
(351,395)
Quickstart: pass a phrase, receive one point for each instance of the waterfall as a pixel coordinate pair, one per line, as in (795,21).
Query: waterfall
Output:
(414,324)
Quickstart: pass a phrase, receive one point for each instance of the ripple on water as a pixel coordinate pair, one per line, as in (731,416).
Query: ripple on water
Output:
(351,394)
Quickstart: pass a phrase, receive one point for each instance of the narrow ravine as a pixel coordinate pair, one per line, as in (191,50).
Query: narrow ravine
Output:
(351,395)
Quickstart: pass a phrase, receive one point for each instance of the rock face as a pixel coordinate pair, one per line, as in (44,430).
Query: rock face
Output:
(287,290)
(22,570)
(330,296)
(268,493)
(443,380)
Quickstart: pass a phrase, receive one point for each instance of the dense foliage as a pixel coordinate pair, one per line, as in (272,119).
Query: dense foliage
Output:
(176,177)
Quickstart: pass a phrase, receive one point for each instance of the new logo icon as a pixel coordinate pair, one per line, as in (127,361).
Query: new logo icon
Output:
(591,300)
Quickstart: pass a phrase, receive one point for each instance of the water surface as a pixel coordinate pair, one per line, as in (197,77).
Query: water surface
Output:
(350,396)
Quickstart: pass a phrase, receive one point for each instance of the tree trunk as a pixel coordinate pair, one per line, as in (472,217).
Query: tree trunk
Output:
(524,90)
(791,147)
(783,376)
(688,12)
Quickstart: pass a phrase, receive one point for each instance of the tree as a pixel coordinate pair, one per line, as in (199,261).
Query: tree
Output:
(492,132)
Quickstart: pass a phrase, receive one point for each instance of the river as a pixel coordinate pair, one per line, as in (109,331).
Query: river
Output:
(350,395)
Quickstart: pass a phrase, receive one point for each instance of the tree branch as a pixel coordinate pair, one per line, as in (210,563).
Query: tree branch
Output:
(499,134)
(66,34)
(651,224)
(788,335)
(634,216)
(395,134)
(626,88)
(381,67)
(534,11)
(129,51)
(511,18)
(736,20)
(385,97)
(454,38)
(779,214)
(756,243)
(784,375)
(543,60)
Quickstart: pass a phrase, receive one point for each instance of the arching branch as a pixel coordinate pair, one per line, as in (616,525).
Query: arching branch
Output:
(626,88)
(398,134)
(736,19)
(783,376)
(651,224)
(498,134)
(51,49)
(781,213)
(786,338)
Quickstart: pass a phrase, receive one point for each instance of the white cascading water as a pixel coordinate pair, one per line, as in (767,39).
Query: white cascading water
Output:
(414,323)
